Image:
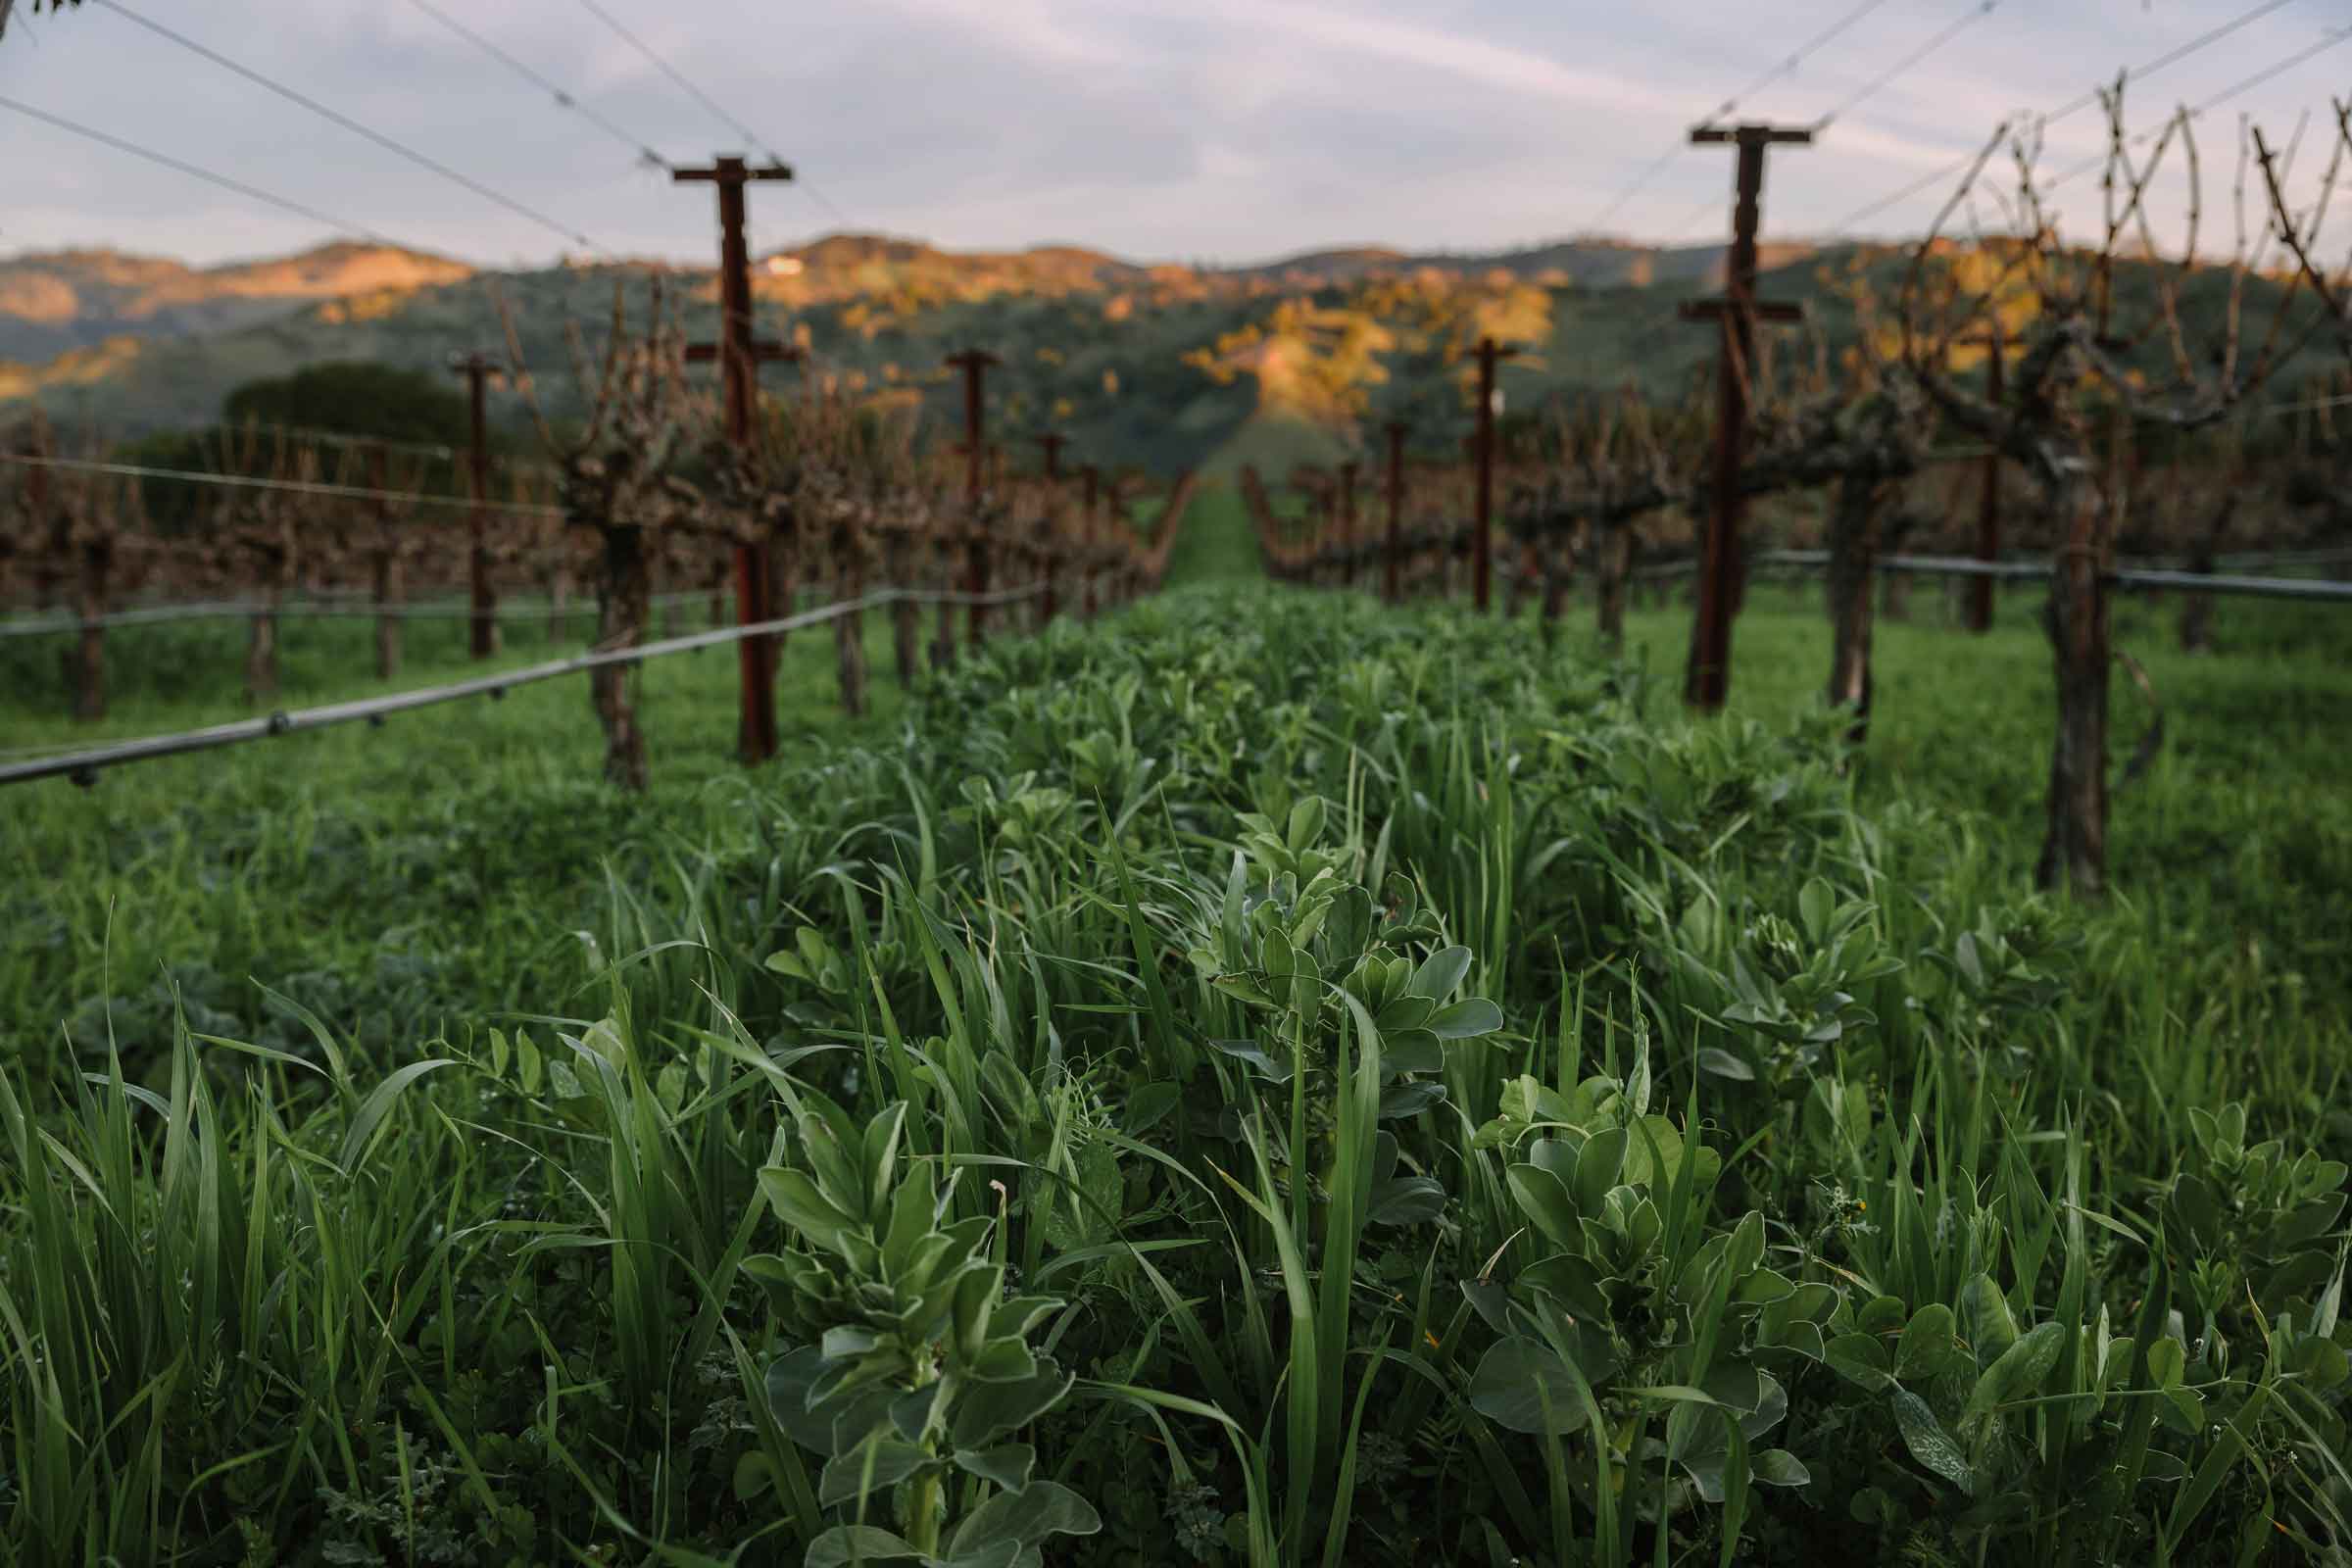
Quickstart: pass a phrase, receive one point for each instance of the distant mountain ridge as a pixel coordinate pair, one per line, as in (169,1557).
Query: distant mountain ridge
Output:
(54,302)
(57,303)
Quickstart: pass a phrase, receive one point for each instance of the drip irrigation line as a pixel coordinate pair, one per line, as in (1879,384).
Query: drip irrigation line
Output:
(336,117)
(253,192)
(83,765)
(563,100)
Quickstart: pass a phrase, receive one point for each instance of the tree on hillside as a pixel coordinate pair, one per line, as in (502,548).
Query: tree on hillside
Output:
(356,398)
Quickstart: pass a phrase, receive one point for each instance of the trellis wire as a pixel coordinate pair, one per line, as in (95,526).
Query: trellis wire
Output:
(307,487)
(239,609)
(83,766)
(2304,588)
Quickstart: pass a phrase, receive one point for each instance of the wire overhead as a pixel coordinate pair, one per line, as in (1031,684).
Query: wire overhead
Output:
(2074,105)
(1871,89)
(2334,38)
(1977,12)
(286,204)
(674,74)
(1787,66)
(563,100)
(1728,107)
(716,110)
(420,160)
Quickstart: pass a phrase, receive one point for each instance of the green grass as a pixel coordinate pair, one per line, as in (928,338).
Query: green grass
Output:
(1262,1079)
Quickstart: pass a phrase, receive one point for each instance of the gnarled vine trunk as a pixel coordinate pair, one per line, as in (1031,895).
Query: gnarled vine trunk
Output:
(625,591)
(261,651)
(89,657)
(1558,574)
(1612,565)
(387,590)
(2197,609)
(2074,848)
(848,643)
(906,616)
(1854,530)
(783,567)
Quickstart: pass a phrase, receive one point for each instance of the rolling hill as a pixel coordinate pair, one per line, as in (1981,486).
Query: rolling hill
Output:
(1157,366)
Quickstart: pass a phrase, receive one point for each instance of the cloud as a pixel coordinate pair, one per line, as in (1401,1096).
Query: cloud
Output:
(1153,127)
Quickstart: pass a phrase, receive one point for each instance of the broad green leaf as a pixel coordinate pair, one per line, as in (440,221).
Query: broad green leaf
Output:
(1405,1201)
(1722,1064)
(1777,1467)
(986,1411)
(1522,1384)
(845,1545)
(2020,1370)
(1597,1165)
(1815,903)
(804,1211)
(1439,973)
(1571,1280)
(1041,1509)
(1544,1201)
(1929,1443)
(1861,1360)
(870,1468)
(1466,1019)
(1985,1319)
(1762,1287)
(1008,1464)
(1929,1345)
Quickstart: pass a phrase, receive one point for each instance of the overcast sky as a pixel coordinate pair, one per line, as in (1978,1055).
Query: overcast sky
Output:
(1159,129)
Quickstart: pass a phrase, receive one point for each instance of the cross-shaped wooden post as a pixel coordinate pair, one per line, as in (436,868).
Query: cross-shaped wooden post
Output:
(1052,441)
(739,355)
(1092,477)
(975,364)
(1391,546)
(1348,523)
(478,368)
(1988,497)
(1708,679)
(1482,522)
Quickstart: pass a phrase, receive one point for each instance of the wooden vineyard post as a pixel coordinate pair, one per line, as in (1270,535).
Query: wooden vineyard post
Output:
(2074,850)
(975,364)
(1980,593)
(739,356)
(1482,523)
(90,524)
(383,561)
(1612,566)
(482,637)
(1393,544)
(1051,605)
(1707,681)
(1347,505)
(96,557)
(1091,477)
